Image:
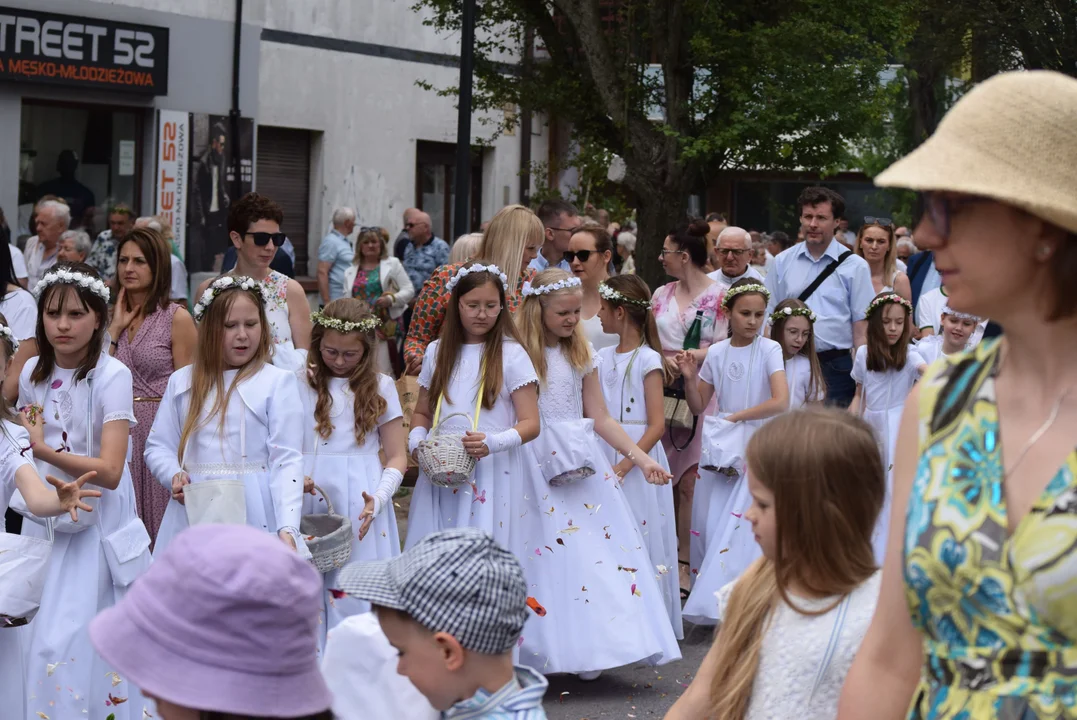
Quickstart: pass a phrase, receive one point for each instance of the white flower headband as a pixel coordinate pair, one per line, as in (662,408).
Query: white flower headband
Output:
(960,315)
(741,289)
(888,299)
(72,277)
(5,332)
(467,270)
(530,290)
(792,312)
(609,294)
(224,283)
(367,325)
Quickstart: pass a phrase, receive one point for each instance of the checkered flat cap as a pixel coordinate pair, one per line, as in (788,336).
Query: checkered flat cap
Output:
(457,581)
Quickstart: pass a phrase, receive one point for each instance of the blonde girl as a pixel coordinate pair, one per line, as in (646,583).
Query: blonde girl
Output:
(352,411)
(573,635)
(231,416)
(885,371)
(476,353)
(77,406)
(633,374)
(792,326)
(792,623)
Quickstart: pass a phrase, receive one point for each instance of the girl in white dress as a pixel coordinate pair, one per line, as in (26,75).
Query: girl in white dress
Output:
(956,330)
(231,416)
(351,412)
(596,602)
(746,374)
(476,353)
(791,326)
(633,375)
(885,371)
(77,406)
(792,624)
(17,472)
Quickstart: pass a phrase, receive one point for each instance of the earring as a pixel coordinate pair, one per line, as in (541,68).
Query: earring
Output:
(1044,252)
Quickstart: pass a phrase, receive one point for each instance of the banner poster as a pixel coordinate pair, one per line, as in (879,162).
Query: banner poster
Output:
(170,184)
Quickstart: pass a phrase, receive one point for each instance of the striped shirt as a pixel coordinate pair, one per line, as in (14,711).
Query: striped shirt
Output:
(518,699)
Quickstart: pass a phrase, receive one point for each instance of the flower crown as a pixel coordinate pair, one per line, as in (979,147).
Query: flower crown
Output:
(530,290)
(5,332)
(960,315)
(792,312)
(610,295)
(888,299)
(72,277)
(492,269)
(741,289)
(223,283)
(367,325)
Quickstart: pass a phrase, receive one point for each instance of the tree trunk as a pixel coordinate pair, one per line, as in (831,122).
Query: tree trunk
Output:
(660,210)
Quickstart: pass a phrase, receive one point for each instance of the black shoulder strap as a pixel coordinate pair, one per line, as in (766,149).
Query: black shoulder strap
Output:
(914,268)
(827,272)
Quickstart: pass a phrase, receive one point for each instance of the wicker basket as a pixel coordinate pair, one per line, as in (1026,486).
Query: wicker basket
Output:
(442,457)
(328,537)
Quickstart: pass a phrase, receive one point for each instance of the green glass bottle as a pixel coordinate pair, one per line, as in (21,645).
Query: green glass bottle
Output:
(695,333)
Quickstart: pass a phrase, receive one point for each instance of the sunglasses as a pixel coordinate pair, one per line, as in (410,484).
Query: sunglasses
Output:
(261,239)
(371,229)
(583,255)
(885,222)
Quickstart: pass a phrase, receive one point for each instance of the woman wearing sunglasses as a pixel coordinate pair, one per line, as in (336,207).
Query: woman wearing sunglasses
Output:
(977,614)
(590,250)
(254,229)
(875,243)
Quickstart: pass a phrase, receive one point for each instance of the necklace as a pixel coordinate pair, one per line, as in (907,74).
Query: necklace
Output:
(1040,432)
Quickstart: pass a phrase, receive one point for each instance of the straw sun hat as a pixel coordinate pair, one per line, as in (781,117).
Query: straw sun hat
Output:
(1012,138)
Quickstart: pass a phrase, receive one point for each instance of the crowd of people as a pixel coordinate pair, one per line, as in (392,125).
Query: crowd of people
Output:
(823,450)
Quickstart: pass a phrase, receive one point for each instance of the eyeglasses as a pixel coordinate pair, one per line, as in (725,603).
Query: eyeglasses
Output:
(583,255)
(371,229)
(730,251)
(885,222)
(663,252)
(940,209)
(474,310)
(261,239)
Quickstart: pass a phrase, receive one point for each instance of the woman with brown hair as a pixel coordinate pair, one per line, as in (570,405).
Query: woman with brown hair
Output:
(589,252)
(511,242)
(875,243)
(792,623)
(153,337)
(380,282)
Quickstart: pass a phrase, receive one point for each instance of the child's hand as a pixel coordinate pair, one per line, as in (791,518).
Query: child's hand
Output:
(653,472)
(308,485)
(178,481)
(686,364)
(32,417)
(367,516)
(288,539)
(475,444)
(71,493)
(623,468)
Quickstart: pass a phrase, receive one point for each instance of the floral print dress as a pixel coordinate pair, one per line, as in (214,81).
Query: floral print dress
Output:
(998,612)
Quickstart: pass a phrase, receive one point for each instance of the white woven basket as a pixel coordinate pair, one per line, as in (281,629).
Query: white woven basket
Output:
(328,537)
(441,456)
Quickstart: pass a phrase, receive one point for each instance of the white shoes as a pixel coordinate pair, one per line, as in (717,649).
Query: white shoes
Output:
(589,676)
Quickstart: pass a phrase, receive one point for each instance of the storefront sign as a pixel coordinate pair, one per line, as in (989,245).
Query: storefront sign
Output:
(173,142)
(87,52)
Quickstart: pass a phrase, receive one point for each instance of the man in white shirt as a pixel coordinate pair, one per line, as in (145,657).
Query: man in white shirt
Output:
(559,219)
(734,251)
(53,219)
(840,301)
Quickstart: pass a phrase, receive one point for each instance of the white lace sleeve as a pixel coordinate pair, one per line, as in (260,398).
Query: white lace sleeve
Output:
(519,370)
(426,374)
(722,598)
(596,359)
(649,361)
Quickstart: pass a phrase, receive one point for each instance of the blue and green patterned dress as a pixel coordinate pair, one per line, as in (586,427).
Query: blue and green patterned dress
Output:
(998,613)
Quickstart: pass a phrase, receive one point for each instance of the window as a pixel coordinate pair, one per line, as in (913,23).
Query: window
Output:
(435,176)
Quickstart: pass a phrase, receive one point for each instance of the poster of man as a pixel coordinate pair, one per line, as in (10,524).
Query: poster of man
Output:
(212,186)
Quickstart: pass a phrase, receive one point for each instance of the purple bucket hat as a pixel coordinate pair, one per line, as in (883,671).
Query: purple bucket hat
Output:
(224,620)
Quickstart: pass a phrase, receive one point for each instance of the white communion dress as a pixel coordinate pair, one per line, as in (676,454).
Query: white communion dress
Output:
(93,561)
(259,443)
(13,440)
(798,377)
(486,501)
(345,470)
(652,505)
(586,564)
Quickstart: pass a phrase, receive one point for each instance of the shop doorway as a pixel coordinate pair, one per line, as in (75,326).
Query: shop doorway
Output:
(435,178)
(90,155)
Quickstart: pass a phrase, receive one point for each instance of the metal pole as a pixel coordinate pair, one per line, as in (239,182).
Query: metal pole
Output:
(525,123)
(234,113)
(462,185)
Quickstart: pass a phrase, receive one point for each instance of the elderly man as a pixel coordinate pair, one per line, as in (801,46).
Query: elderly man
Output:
(102,256)
(559,220)
(834,282)
(425,253)
(335,255)
(53,219)
(734,251)
(74,246)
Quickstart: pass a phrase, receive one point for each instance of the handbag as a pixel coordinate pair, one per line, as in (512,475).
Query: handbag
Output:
(24,564)
(563,448)
(678,415)
(724,441)
(223,501)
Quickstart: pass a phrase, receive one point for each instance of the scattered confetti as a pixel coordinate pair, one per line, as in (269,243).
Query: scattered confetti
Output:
(736,515)
(548,548)
(626,569)
(694,532)
(42,715)
(560,541)
(662,569)
(520,641)
(338,594)
(115,677)
(538,552)
(636,592)
(569,530)
(113,700)
(534,605)
(723,550)
(561,697)
(589,506)
(50,668)
(549,512)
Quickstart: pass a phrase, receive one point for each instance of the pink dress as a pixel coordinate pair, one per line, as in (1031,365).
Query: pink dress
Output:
(673,323)
(149,357)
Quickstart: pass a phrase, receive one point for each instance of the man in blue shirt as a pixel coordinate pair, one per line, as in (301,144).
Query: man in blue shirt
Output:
(840,302)
(335,255)
(560,219)
(425,253)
